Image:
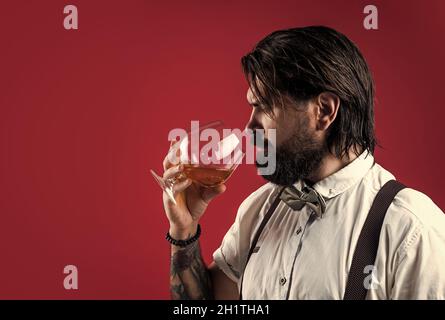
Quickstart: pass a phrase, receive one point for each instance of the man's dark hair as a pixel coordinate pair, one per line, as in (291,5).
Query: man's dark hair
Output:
(301,63)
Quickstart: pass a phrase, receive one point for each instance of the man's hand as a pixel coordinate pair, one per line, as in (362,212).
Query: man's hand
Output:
(191,202)
(189,276)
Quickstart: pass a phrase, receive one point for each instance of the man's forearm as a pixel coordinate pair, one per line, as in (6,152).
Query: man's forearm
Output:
(189,277)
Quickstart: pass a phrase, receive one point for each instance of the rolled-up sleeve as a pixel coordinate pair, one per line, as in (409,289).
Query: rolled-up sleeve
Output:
(227,256)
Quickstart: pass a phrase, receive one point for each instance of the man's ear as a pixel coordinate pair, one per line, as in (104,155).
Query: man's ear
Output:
(328,104)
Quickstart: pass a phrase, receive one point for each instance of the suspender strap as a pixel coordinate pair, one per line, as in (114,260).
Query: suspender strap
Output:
(258,234)
(368,241)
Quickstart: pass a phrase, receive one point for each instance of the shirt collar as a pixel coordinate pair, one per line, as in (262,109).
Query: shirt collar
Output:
(343,179)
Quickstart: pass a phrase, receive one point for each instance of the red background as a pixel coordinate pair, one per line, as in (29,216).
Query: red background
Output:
(85,113)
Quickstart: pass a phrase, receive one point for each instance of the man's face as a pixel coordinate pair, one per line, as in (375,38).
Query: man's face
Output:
(299,147)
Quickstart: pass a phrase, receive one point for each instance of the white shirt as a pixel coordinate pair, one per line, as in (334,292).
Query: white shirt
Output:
(305,256)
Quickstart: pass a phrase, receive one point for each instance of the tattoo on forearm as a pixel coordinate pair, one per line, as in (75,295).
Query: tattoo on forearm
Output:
(189,277)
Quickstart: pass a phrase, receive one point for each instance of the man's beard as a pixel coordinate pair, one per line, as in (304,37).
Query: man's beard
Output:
(296,158)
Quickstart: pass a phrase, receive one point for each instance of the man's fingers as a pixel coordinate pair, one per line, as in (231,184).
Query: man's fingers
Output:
(172,172)
(209,193)
(172,158)
(166,163)
(181,186)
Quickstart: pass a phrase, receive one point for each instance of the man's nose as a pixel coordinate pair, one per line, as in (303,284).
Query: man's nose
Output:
(253,122)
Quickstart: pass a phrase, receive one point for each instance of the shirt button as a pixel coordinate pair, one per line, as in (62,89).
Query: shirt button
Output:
(298,230)
(283,281)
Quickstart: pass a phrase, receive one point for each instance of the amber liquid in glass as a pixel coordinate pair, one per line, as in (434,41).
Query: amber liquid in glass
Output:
(206,176)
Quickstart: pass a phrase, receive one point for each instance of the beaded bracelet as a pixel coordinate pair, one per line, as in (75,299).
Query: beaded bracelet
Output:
(184,243)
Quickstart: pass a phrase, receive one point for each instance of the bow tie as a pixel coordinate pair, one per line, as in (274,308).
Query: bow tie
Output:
(297,199)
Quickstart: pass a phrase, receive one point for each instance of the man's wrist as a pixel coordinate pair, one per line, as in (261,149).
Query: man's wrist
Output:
(183,233)
(184,243)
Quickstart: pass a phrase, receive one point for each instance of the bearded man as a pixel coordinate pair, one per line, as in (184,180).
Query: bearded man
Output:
(330,223)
